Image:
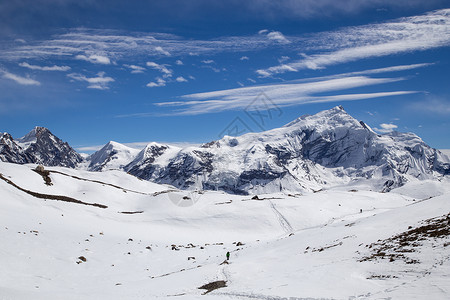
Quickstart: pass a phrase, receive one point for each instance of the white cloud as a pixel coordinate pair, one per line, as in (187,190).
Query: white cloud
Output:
(274,36)
(415,33)
(159,82)
(135,69)
(385,128)
(404,35)
(208,61)
(263,73)
(45,68)
(191,77)
(244,58)
(285,94)
(251,80)
(100,82)
(95,59)
(278,37)
(181,79)
(162,51)
(239,83)
(178,62)
(283,58)
(19,79)
(162,68)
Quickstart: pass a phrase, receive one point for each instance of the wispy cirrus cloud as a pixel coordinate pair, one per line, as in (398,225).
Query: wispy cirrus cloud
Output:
(286,94)
(135,69)
(410,34)
(320,50)
(45,68)
(278,37)
(162,51)
(161,68)
(369,72)
(19,79)
(100,82)
(101,45)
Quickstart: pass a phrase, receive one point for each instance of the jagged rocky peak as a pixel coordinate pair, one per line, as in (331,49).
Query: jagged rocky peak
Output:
(10,151)
(47,149)
(39,146)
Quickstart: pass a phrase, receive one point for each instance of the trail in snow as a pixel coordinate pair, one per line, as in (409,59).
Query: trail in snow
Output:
(284,223)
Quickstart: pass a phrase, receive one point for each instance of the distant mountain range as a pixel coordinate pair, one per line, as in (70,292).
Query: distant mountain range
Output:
(310,153)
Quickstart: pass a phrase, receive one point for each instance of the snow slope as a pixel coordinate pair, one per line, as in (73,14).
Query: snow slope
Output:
(316,245)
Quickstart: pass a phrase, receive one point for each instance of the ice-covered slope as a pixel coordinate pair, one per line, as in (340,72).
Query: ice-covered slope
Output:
(334,244)
(112,156)
(309,153)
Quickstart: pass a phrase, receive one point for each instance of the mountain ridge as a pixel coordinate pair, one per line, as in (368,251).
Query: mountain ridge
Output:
(39,146)
(310,153)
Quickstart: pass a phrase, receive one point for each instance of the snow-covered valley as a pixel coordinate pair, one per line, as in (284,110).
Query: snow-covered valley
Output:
(346,242)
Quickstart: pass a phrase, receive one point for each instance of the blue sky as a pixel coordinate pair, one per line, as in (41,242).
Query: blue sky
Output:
(191,71)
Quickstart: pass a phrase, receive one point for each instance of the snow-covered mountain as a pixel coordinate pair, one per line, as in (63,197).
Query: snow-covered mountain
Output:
(112,156)
(39,146)
(10,151)
(311,152)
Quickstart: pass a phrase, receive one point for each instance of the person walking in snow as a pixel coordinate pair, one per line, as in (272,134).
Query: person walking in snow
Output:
(228,255)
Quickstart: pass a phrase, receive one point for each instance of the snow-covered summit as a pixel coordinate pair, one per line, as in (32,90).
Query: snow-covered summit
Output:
(112,156)
(310,153)
(154,154)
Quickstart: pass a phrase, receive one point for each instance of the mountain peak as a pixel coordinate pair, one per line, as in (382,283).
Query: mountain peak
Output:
(34,134)
(113,155)
(331,116)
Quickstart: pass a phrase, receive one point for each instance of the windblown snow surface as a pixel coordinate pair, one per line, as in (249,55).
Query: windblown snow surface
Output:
(144,241)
